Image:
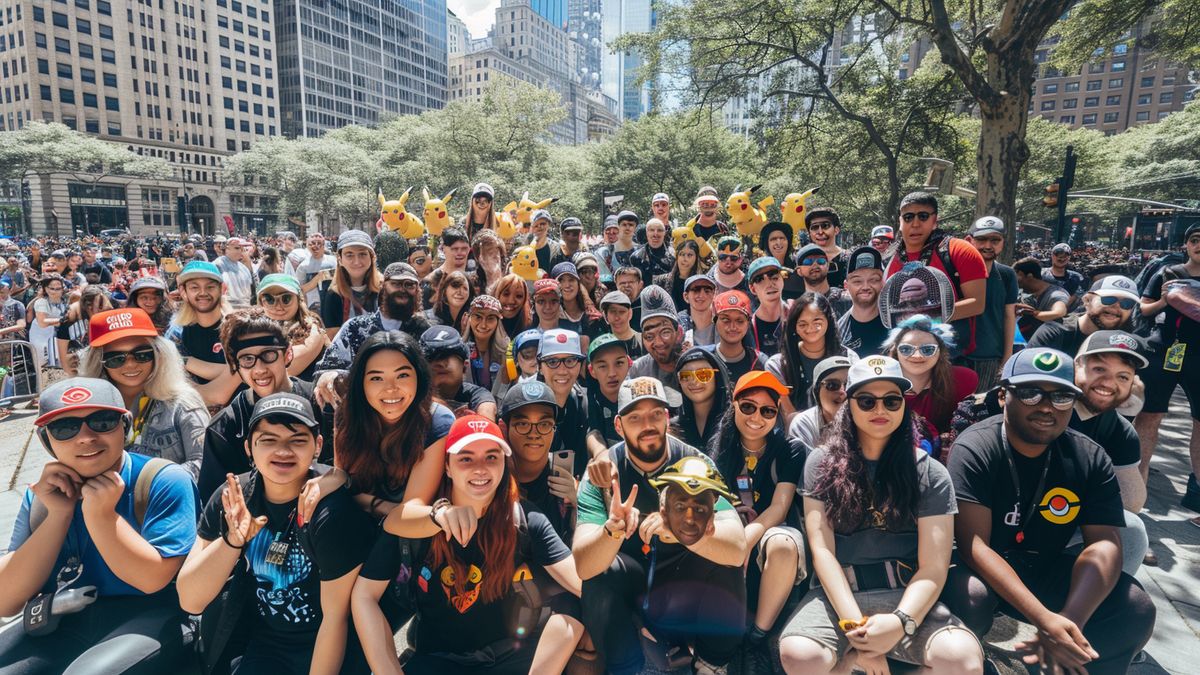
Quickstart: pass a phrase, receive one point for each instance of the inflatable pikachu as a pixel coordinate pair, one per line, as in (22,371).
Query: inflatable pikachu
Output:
(748,217)
(687,232)
(527,206)
(525,263)
(794,208)
(506,227)
(437,214)
(397,218)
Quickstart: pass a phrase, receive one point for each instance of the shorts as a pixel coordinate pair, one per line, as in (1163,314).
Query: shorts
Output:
(797,540)
(816,620)
(1160,384)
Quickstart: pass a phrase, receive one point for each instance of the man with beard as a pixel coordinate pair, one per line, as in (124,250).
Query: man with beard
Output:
(823,226)
(447,354)
(661,338)
(1025,483)
(861,329)
(813,265)
(1111,304)
(398,305)
(728,274)
(666,576)
(196,332)
(996,326)
(766,282)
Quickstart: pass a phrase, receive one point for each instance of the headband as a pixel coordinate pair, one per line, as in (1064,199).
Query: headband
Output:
(238,345)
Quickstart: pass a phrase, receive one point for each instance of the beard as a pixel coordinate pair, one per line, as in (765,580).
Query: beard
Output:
(1106,320)
(398,306)
(645,449)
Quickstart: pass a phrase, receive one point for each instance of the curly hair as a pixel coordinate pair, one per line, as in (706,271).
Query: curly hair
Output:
(941,380)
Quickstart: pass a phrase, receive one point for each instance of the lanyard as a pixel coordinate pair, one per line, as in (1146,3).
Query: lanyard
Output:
(1024,515)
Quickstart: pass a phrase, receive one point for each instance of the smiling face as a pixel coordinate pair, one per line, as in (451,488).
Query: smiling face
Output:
(989,245)
(1105,317)
(512,300)
(282,453)
(281,306)
(265,378)
(1035,424)
(1106,381)
(777,244)
(691,386)
(316,245)
(831,400)
(917,364)
(811,326)
(823,232)
(879,422)
(561,379)
(732,326)
(132,374)
(864,287)
(644,428)
(660,338)
(89,453)
(548,306)
(204,295)
(540,227)
(534,446)
(357,260)
(687,516)
(476,471)
(1192,247)
(390,384)
(754,427)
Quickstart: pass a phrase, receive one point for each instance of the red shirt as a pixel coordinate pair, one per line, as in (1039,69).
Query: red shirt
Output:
(965,381)
(970,267)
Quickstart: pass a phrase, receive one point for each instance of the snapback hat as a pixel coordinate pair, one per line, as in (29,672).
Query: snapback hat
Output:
(729,243)
(638,389)
(400,270)
(989,225)
(199,269)
(628,215)
(564,268)
(697,279)
(810,251)
(474,429)
(483,190)
(147,282)
(876,369)
(527,338)
(1114,342)
(115,324)
(604,341)
(522,394)
(546,285)
(828,365)
(438,342)
(656,302)
(286,282)
(291,405)
(585,260)
(571,223)
(560,342)
(883,232)
(759,379)
(615,298)
(541,214)
(660,197)
(1040,364)
(766,262)
(1117,286)
(354,238)
(732,301)
(1061,248)
(78,393)
(864,258)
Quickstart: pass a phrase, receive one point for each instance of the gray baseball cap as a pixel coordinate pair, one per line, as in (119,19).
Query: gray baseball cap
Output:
(78,393)
(354,238)
(527,393)
(615,298)
(988,225)
(401,271)
(1040,364)
(291,405)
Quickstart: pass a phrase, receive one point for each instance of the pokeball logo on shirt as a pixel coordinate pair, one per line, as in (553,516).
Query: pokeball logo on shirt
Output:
(1046,362)
(217,348)
(1059,506)
(75,395)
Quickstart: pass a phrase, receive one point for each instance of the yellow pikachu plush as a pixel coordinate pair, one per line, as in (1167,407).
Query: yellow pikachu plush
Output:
(687,232)
(525,263)
(748,217)
(528,206)
(437,214)
(506,227)
(795,207)
(397,218)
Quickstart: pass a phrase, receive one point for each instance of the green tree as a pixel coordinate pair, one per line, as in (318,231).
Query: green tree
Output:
(1096,27)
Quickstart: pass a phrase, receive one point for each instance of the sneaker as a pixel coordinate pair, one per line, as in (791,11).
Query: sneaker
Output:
(1191,497)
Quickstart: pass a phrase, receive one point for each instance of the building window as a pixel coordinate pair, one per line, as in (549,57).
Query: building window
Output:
(229,123)
(108,56)
(64,71)
(1147,82)
(1070,103)
(1090,118)
(1067,119)
(1116,83)
(110,79)
(92,126)
(1050,89)
(39,14)
(1047,105)
(1143,116)
(84,27)
(1111,117)
(43,66)
(85,51)
(1113,100)
(1095,85)
(103,7)
(1094,68)
(1144,99)
(114,128)
(1118,66)
(106,32)
(1091,101)
(62,46)
(39,39)
(89,100)
(60,20)
(46,93)
(1166,97)
(112,103)
(1070,87)
(66,95)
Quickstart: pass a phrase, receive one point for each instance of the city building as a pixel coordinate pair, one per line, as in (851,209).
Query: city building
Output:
(187,84)
(619,70)
(583,27)
(345,64)
(457,35)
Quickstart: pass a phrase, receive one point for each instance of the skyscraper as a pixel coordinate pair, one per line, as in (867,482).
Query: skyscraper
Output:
(583,27)
(619,70)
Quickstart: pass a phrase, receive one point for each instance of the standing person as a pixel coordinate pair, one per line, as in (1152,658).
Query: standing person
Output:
(698,321)
(813,265)
(82,525)
(572,237)
(708,209)
(239,280)
(680,566)
(447,354)
(728,274)
(487,343)
(861,328)
(456,252)
(922,241)
(685,264)
(15,361)
(271,262)
(1110,304)
(549,252)
(95,271)
(810,318)
(661,338)
(513,295)
(577,307)
(196,332)
(620,252)
(292,255)
(1058,274)
(49,308)
(733,327)
(660,207)
(766,283)
(588,267)
(279,295)
(1025,484)
(316,271)
(71,334)
(480,216)
(355,288)
(149,294)
(608,365)
(705,385)
(656,256)
(879,515)
(297,599)
(996,327)
(1042,303)
(630,282)
(451,298)
(611,231)
(922,347)
(829,392)
(1172,363)
(882,237)
(776,238)
(824,225)
(618,313)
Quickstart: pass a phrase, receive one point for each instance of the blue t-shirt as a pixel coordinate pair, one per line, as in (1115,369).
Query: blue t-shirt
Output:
(170,526)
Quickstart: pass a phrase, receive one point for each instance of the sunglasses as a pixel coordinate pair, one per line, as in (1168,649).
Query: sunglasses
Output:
(248,361)
(832,384)
(101,422)
(283,299)
(701,375)
(748,408)
(1124,303)
(768,276)
(568,361)
(406,284)
(919,215)
(523,427)
(868,402)
(117,359)
(729,256)
(821,225)
(814,261)
(912,350)
(1031,396)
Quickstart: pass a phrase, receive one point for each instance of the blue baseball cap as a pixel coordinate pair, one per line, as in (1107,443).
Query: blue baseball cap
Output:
(200,269)
(1040,364)
(764,263)
(526,338)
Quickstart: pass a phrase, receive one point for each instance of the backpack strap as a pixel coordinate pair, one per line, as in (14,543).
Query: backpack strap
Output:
(141,488)
(943,252)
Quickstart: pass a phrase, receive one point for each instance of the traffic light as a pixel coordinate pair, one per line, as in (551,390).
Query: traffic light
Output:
(1050,201)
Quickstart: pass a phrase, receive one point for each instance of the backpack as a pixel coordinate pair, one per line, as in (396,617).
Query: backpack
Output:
(141,494)
(943,253)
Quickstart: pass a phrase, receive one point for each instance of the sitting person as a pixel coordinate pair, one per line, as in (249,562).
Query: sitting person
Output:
(301,576)
(546,485)
(446,353)
(103,520)
(609,361)
(280,297)
(923,348)
(829,391)
(704,384)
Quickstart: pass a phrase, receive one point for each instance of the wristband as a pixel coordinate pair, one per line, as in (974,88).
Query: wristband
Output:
(438,506)
(225,538)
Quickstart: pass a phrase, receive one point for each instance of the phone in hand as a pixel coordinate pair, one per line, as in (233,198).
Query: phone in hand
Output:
(565,460)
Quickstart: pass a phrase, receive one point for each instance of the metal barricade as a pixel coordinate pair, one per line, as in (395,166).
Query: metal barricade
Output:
(22,378)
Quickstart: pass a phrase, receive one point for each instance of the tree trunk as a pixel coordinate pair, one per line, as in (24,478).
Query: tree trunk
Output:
(1002,149)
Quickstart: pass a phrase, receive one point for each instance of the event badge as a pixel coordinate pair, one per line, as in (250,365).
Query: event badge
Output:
(1174,361)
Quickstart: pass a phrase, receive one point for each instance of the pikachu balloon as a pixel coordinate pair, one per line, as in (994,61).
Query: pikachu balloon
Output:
(687,232)
(437,214)
(525,263)
(397,218)
(506,226)
(527,206)
(747,216)
(795,207)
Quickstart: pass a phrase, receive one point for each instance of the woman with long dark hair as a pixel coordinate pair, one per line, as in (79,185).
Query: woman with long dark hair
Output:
(481,570)
(578,310)
(480,216)
(149,294)
(923,346)
(876,504)
(763,466)
(687,263)
(513,295)
(704,383)
(356,282)
(270,263)
(809,335)
(451,299)
(829,392)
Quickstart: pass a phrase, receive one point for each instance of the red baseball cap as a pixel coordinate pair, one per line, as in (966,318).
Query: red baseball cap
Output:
(472,429)
(115,324)
(732,301)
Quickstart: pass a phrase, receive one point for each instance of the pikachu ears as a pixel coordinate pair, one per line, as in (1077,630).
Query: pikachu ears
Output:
(382,201)
(449,196)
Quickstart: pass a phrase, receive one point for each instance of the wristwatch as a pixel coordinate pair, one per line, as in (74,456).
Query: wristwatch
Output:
(909,624)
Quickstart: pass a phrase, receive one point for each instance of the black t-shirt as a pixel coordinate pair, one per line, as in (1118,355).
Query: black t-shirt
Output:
(451,622)
(837,269)
(989,326)
(1113,433)
(469,398)
(765,335)
(202,342)
(1176,326)
(336,310)
(751,360)
(103,274)
(536,497)
(1071,283)
(288,595)
(781,462)
(571,432)
(601,412)
(1080,487)
(863,339)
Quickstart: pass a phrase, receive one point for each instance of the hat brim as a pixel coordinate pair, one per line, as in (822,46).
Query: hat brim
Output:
(462,443)
(507,412)
(1117,350)
(1116,293)
(1031,378)
(115,335)
(670,398)
(48,417)
(903,382)
(306,421)
(702,485)
(289,289)
(986,230)
(183,279)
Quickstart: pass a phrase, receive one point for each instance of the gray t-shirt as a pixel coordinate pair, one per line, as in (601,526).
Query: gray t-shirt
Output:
(239,281)
(989,326)
(806,426)
(646,366)
(869,544)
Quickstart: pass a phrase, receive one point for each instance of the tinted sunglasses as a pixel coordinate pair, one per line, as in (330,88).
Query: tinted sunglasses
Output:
(748,408)
(814,261)
(283,299)
(919,215)
(868,402)
(1061,400)
(701,375)
(772,275)
(821,225)
(1124,303)
(729,256)
(66,428)
(927,351)
(118,359)
(831,384)
(248,361)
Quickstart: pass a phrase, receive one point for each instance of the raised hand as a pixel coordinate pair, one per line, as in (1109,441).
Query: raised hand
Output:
(562,485)
(58,488)
(242,526)
(458,522)
(622,515)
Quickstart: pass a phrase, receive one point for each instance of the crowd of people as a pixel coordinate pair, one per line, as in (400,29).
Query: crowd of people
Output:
(718,452)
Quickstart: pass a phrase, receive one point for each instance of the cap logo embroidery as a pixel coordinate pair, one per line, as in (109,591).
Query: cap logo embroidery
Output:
(532,389)
(1046,362)
(441,335)
(561,338)
(864,260)
(282,403)
(122,320)
(642,386)
(1122,341)
(478,426)
(76,395)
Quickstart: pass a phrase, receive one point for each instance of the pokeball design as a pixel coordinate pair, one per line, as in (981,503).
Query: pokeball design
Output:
(1059,506)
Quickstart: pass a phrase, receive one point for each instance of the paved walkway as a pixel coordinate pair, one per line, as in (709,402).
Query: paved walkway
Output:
(1174,583)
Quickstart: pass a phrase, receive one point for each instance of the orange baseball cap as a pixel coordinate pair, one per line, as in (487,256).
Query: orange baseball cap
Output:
(756,379)
(115,324)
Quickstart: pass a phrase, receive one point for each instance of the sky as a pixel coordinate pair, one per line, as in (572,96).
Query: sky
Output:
(479,15)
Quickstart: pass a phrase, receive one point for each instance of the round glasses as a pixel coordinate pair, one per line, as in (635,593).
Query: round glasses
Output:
(283,299)
(248,361)
(524,427)
(868,402)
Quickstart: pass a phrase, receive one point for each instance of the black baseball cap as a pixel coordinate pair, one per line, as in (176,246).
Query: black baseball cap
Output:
(864,258)
(291,405)
(527,393)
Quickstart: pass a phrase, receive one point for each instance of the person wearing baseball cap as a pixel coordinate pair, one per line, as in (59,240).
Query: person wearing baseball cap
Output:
(609,361)
(1057,273)
(356,282)
(547,304)
(698,320)
(734,347)
(728,274)
(149,294)
(571,229)
(815,266)
(617,309)
(1025,484)
(882,237)
(98,519)
(447,354)
(824,225)
(252,522)
(1110,304)
(765,281)
(708,208)
(235,271)
(995,328)
(661,337)
(549,251)
(560,363)
(196,331)
(544,471)
(861,328)
(480,216)
(828,394)
(624,561)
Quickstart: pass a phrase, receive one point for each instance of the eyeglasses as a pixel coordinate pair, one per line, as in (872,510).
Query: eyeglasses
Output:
(748,408)
(868,402)
(568,361)
(667,334)
(814,261)
(1061,399)
(821,225)
(909,351)
(832,384)
(117,359)
(919,215)
(728,256)
(406,284)
(66,428)
(283,299)
(701,375)
(523,427)
(1124,303)
(248,361)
